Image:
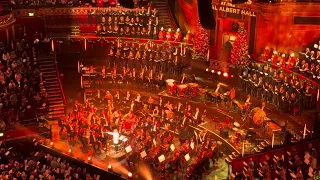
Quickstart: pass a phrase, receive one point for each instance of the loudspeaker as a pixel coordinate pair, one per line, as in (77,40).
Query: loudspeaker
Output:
(206,15)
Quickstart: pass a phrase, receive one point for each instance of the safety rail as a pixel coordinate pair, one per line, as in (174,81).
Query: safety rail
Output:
(238,163)
(59,80)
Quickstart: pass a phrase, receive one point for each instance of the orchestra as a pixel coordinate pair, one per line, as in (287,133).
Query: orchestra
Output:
(145,123)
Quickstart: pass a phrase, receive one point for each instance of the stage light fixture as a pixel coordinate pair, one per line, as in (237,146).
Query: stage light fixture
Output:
(207,69)
(225,74)
(130,175)
(212,71)
(51,144)
(109,167)
(219,73)
(69,151)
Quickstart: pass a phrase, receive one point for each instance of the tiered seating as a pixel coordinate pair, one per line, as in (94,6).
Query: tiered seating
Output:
(19,162)
(22,85)
(298,162)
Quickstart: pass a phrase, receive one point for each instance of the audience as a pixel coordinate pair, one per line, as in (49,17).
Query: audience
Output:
(289,165)
(14,164)
(21,83)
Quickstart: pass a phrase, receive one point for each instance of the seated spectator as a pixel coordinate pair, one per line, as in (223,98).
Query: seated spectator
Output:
(23,164)
(20,85)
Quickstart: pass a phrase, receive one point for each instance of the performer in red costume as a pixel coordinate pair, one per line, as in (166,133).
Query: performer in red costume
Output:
(162,34)
(177,36)
(188,38)
(169,35)
(283,61)
(291,62)
(274,58)
(266,53)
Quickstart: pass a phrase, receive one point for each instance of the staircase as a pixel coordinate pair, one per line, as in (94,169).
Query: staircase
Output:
(56,106)
(165,17)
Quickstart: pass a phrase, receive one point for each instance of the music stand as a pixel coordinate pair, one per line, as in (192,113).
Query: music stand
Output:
(128,149)
(143,154)
(161,158)
(172,147)
(187,157)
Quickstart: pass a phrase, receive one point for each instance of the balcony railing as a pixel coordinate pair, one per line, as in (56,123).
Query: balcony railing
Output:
(6,20)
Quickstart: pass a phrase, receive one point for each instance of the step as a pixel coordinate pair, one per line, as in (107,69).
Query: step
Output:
(53,99)
(57,108)
(56,102)
(48,79)
(56,112)
(50,75)
(52,89)
(56,105)
(51,64)
(52,82)
(46,61)
(57,94)
(49,72)
(49,86)
(46,69)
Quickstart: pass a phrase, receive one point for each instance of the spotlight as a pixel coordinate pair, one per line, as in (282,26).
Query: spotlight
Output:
(212,71)
(51,144)
(130,175)
(225,74)
(219,73)
(109,167)
(69,151)
(207,69)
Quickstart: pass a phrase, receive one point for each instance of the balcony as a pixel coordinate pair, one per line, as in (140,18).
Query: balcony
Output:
(6,19)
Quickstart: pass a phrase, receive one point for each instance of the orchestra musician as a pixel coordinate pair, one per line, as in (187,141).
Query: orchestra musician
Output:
(183,79)
(196,117)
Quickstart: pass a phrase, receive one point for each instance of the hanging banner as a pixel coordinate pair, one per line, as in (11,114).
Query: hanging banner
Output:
(231,8)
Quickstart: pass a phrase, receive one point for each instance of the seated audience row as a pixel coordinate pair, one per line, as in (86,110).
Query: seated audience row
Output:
(289,165)
(38,165)
(21,83)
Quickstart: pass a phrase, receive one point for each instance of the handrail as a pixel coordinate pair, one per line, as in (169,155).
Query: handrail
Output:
(288,71)
(59,80)
(6,20)
(237,164)
(171,17)
(122,38)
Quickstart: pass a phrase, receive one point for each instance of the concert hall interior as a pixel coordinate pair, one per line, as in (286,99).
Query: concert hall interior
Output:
(159,89)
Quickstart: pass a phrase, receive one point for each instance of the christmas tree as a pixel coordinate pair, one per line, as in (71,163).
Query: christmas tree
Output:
(201,42)
(239,53)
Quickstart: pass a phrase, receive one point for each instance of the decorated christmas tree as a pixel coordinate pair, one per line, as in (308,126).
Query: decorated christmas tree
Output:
(239,53)
(201,42)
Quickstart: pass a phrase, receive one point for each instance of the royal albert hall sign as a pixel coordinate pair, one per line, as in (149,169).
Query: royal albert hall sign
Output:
(231,8)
